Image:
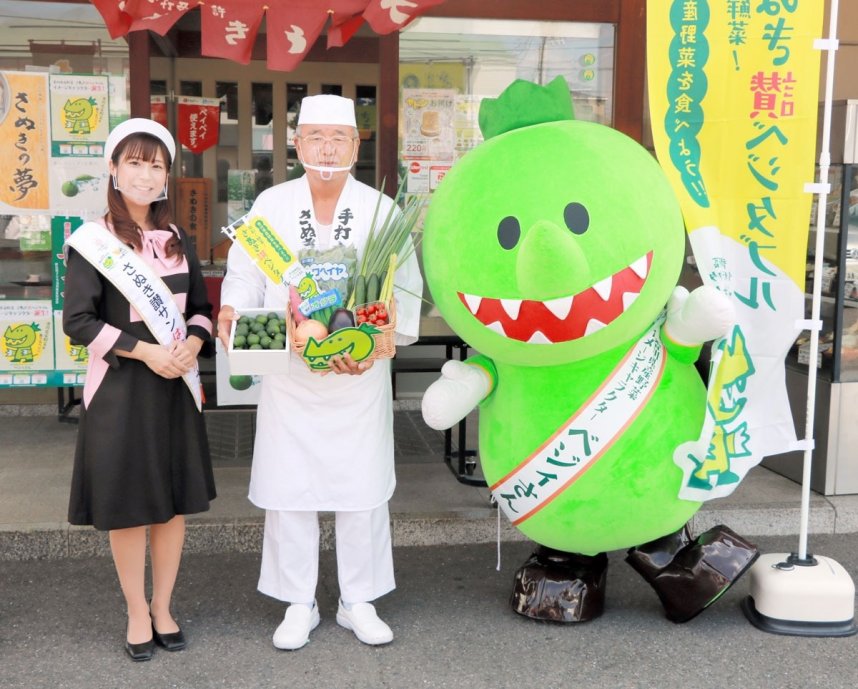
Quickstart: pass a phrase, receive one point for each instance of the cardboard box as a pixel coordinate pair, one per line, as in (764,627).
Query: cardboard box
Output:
(252,362)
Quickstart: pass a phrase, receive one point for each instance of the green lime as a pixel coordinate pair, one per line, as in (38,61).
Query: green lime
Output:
(280,337)
(257,327)
(240,382)
(253,339)
(70,189)
(244,320)
(242,329)
(262,318)
(278,344)
(265,341)
(272,315)
(255,346)
(239,341)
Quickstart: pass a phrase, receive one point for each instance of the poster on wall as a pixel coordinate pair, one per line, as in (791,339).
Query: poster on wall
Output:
(24,140)
(79,186)
(80,115)
(61,229)
(26,331)
(428,134)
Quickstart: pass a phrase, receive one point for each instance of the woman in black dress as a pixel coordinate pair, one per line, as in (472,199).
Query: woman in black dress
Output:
(142,459)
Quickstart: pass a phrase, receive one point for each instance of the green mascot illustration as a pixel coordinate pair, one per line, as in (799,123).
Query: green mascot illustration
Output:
(21,340)
(553,249)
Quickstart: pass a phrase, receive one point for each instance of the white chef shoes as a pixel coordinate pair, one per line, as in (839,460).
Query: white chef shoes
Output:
(294,630)
(362,619)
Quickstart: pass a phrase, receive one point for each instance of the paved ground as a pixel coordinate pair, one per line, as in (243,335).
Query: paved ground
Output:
(61,627)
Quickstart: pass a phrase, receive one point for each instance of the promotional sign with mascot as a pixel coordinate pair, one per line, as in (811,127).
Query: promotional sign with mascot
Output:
(553,249)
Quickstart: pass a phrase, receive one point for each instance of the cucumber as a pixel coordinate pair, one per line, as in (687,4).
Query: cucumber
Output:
(372,288)
(360,290)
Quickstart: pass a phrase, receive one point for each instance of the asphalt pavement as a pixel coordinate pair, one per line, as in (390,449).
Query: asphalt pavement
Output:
(62,627)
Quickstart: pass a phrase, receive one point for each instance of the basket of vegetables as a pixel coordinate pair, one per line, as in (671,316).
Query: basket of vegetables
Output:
(364,326)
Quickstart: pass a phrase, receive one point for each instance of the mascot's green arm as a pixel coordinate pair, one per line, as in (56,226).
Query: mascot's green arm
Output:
(684,354)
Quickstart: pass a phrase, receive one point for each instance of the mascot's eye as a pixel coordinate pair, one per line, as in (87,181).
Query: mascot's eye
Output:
(509,232)
(577,218)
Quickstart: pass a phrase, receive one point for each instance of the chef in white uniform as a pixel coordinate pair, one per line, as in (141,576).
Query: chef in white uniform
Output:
(323,442)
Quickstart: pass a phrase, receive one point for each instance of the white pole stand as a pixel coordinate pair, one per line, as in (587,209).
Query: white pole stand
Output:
(814,596)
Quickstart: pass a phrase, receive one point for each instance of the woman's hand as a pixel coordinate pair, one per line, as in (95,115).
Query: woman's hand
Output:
(161,360)
(186,352)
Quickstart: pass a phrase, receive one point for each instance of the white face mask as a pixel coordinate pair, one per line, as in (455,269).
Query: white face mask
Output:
(143,182)
(327,153)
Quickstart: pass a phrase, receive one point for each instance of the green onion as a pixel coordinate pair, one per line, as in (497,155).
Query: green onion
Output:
(390,237)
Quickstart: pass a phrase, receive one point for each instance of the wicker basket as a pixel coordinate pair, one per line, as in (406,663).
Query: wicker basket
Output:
(385,346)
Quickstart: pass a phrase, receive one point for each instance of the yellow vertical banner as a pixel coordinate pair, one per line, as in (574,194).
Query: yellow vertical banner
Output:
(733,96)
(24,140)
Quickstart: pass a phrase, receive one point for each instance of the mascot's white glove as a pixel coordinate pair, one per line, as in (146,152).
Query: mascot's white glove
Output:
(450,398)
(695,318)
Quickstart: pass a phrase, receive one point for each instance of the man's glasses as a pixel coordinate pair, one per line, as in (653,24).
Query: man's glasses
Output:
(335,141)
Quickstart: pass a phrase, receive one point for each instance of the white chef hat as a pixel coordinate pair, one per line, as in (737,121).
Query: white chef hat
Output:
(139,125)
(327,109)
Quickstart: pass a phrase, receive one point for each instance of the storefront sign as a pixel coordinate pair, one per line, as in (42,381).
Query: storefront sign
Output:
(193,212)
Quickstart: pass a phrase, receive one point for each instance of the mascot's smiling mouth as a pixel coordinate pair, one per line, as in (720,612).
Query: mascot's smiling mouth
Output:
(565,318)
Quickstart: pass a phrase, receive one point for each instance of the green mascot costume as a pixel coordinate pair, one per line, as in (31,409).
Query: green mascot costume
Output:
(554,249)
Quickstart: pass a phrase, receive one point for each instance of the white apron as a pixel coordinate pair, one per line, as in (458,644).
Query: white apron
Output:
(323,443)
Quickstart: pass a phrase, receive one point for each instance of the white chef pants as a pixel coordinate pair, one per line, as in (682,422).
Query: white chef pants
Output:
(290,555)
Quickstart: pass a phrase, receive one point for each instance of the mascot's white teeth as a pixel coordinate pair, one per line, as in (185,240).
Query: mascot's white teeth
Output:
(641,267)
(593,325)
(559,307)
(473,302)
(511,306)
(562,319)
(538,337)
(628,299)
(603,288)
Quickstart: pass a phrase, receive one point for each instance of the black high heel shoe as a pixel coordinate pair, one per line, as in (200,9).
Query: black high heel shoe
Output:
(174,641)
(140,652)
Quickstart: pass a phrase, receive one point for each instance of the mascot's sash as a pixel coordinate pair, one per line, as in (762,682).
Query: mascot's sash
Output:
(733,92)
(266,249)
(139,284)
(587,434)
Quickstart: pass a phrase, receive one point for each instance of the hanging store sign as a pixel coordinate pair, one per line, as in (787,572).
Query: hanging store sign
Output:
(199,122)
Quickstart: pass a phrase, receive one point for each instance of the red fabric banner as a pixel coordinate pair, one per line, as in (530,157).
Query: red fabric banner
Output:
(292,29)
(199,122)
(387,16)
(116,21)
(158,109)
(229,29)
(345,20)
(157,16)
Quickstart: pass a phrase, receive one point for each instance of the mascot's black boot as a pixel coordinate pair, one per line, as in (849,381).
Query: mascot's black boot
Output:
(560,587)
(689,575)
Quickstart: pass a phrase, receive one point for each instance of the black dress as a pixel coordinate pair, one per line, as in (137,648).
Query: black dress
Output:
(142,453)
